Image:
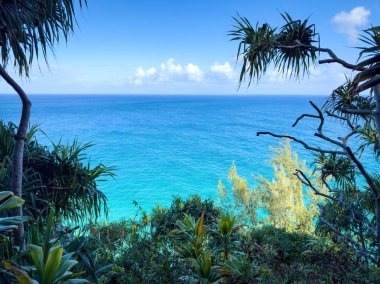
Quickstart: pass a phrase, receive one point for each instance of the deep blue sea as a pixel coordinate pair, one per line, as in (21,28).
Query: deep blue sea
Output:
(170,145)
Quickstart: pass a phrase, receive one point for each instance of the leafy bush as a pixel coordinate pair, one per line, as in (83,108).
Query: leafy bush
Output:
(164,219)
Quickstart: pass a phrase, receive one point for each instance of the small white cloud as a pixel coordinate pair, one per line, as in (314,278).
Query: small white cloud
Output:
(151,71)
(194,73)
(170,67)
(349,23)
(140,73)
(223,69)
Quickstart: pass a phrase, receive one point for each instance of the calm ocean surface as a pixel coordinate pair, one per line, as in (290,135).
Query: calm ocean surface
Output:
(170,145)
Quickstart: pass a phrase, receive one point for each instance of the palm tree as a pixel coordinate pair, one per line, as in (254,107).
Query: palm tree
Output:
(293,49)
(28,30)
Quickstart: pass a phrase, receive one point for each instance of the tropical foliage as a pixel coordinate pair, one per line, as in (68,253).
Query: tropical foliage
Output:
(58,175)
(265,234)
(29,29)
(352,208)
(191,241)
(222,251)
(9,201)
(50,264)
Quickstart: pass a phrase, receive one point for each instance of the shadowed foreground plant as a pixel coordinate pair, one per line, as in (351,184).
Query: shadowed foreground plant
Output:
(50,263)
(8,223)
(9,201)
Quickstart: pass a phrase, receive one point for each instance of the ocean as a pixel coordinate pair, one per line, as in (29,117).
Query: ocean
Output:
(163,146)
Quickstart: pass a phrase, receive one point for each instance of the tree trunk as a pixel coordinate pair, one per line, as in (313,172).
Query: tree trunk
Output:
(376,90)
(18,151)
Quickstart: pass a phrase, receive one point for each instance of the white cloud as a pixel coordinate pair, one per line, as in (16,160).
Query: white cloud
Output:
(350,22)
(151,71)
(141,75)
(223,69)
(168,71)
(170,67)
(140,72)
(194,73)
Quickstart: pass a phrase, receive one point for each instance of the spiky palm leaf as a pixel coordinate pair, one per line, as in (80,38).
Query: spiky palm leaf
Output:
(370,76)
(30,28)
(290,49)
(59,175)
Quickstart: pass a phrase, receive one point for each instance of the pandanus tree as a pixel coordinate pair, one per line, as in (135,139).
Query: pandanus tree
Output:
(351,210)
(29,29)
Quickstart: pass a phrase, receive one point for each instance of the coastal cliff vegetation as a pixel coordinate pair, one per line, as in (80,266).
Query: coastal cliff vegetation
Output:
(315,222)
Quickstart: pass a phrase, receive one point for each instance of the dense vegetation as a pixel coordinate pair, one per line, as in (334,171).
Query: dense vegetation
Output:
(272,232)
(191,241)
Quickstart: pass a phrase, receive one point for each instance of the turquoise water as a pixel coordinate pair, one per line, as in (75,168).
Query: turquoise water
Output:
(170,145)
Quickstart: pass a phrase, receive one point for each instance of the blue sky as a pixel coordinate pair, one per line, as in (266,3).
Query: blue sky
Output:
(182,47)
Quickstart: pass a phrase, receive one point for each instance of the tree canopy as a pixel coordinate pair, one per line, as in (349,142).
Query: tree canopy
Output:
(29,29)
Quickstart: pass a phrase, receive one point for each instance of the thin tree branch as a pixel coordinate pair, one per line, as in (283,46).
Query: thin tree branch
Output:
(306,181)
(358,111)
(301,142)
(342,118)
(333,59)
(336,59)
(320,115)
(302,116)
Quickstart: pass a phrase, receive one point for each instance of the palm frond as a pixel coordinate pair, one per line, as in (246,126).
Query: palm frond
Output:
(290,49)
(29,29)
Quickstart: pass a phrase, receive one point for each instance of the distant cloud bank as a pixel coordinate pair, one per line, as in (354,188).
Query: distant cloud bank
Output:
(170,71)
(351,22)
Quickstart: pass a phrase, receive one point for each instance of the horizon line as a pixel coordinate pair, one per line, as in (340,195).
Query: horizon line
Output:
(161,94)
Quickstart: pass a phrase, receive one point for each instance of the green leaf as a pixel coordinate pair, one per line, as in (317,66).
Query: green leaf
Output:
(11,203)
(65,266)
(7,228)
(18,272)
(52,264)
(200,222)
(5,194)
(76,281)
(37,255)
(13,220)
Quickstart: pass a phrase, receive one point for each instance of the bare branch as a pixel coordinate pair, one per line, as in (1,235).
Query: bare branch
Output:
(348,136)
(334,58)
(301,142)
(306,181)
(302,116)
(320,115)
(342,118)
(358,111)
(328,139)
